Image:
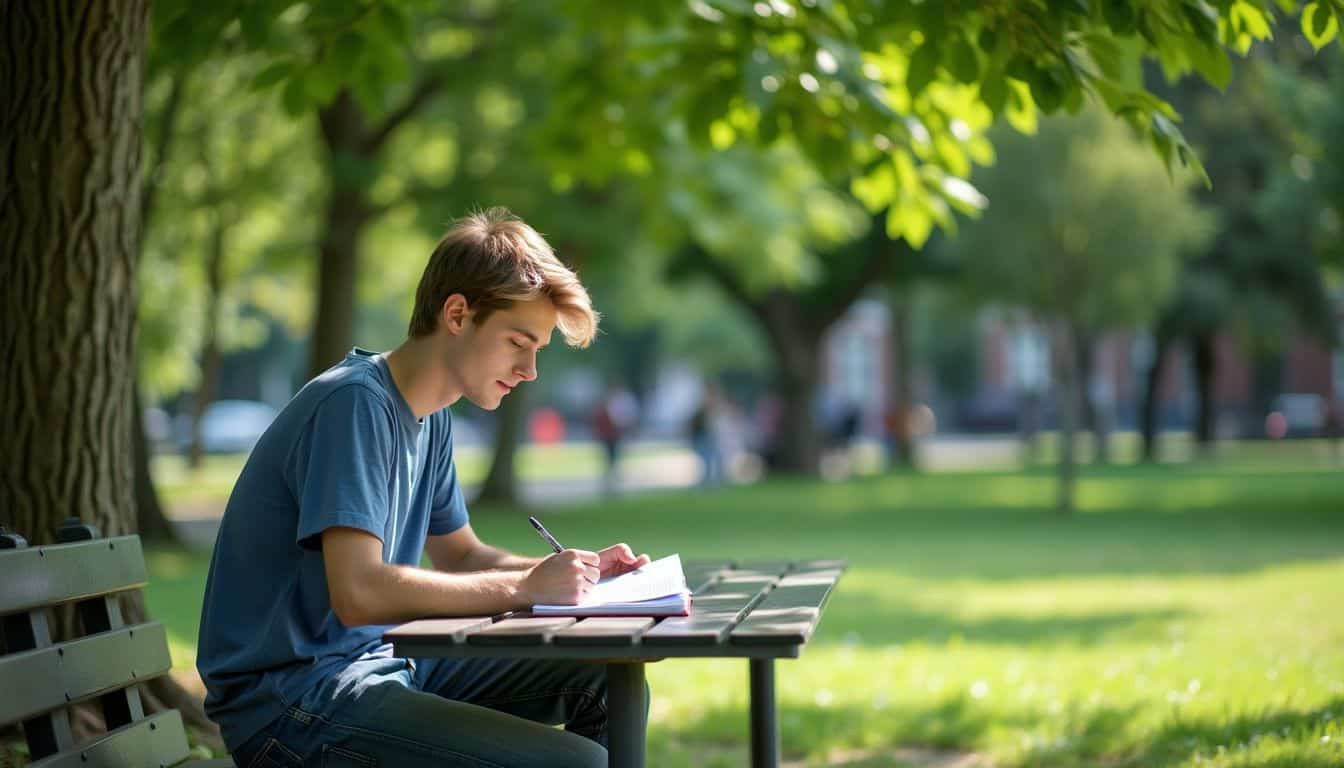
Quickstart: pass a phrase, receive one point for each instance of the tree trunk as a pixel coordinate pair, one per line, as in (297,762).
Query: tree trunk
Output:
(501,482)
(901,332)
(150,521)
(343,134)
(1152,397)
(210,349)
(1094,417)
(69,226)
(1205,370)
(1065,361)
(796,358)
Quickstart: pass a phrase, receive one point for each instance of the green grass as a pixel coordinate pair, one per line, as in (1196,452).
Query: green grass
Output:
(1186,616)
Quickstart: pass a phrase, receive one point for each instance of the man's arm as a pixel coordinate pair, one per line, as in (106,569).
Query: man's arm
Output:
(366,590)
(463,552)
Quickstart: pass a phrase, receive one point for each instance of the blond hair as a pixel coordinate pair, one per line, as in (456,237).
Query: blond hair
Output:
(495,260)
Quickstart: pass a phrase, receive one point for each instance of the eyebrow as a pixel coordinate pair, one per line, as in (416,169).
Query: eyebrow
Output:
(531,336)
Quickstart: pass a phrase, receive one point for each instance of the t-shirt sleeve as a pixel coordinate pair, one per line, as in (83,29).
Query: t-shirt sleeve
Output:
(449,511)
(341,467)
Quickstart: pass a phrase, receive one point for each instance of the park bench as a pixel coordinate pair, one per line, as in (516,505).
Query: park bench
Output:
(42,679)
(759,611)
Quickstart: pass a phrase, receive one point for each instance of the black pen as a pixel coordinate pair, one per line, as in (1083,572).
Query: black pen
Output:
(545,534)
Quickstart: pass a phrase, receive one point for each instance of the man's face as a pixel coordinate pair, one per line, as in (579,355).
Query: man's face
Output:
(501,353)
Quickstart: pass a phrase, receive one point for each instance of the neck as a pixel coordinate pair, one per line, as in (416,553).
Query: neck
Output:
(422,376)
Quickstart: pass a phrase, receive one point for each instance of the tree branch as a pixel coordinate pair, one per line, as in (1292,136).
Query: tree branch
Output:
(881,256)
(426,89)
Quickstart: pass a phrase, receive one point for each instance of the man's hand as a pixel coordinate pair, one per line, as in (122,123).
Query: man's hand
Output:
(618,559)
(563,578)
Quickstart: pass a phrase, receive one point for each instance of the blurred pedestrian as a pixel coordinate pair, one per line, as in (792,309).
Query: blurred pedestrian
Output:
(614,418)
(705,431)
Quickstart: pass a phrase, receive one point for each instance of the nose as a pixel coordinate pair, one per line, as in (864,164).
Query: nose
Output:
(527,370)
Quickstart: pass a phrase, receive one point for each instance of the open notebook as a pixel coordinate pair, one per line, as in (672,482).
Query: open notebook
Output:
(657,589)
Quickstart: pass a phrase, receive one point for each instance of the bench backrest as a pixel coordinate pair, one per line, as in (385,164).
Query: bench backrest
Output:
(106,662)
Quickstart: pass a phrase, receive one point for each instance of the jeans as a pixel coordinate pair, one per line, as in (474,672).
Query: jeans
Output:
(490,713)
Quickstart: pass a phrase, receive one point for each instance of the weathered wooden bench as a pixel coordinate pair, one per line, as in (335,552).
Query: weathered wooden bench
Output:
(759,611)
(42,679)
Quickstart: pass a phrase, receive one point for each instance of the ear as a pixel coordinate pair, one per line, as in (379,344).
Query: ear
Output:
(455,313)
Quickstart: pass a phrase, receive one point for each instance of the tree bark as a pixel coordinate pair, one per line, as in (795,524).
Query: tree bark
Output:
(1065,361)
(70,229)
(69,226)
(1094,416)
(501,482)
(1152,397)
(1205,370)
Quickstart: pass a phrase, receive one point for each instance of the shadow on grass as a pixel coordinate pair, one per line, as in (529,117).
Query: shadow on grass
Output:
(1092,736)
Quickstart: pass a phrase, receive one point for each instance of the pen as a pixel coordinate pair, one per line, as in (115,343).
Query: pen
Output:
(545,534)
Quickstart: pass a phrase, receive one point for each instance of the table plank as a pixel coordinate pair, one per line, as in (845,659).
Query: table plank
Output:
(702,573)
(624,630)
(437,631)
(788,614)
(713,614)
(529,631)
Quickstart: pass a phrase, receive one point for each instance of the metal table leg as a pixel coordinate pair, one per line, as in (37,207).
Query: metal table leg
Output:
(764,724)
(626,715)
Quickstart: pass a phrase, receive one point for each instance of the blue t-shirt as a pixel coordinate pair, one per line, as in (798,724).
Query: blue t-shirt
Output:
(346,451)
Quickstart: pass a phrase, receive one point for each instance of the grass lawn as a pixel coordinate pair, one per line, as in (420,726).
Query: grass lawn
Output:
(1189,615)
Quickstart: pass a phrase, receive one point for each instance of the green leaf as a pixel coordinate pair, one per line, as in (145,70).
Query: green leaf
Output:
(994,92)
(295,96)
(965,65)
(1319,24)
(923,68)
(272,74)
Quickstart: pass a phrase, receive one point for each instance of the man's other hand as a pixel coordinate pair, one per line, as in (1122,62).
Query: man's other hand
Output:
(618,559)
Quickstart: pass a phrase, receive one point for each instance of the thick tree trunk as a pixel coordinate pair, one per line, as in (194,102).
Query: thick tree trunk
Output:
(1065,361)
(901,333)
(69,229)
(343,134)
(796,355)
(1152,397)
(1205,371)
(73,75)
(501,482)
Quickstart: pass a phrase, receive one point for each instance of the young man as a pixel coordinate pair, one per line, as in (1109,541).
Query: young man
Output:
(321,541)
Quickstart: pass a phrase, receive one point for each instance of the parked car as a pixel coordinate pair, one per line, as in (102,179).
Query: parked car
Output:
(1296,415)
(229,426)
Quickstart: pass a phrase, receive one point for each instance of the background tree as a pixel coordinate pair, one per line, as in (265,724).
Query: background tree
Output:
(1262,264)
(1085,230)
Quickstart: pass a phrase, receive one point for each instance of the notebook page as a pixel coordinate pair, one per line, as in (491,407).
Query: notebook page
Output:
(657,579)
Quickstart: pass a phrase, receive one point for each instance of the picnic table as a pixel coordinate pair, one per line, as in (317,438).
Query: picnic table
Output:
(760,611)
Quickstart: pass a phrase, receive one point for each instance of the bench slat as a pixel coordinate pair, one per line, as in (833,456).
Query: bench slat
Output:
(604,631)
(157,740)
(435,631)
(33,577)
(52,677)
(713,614)
(529,631)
